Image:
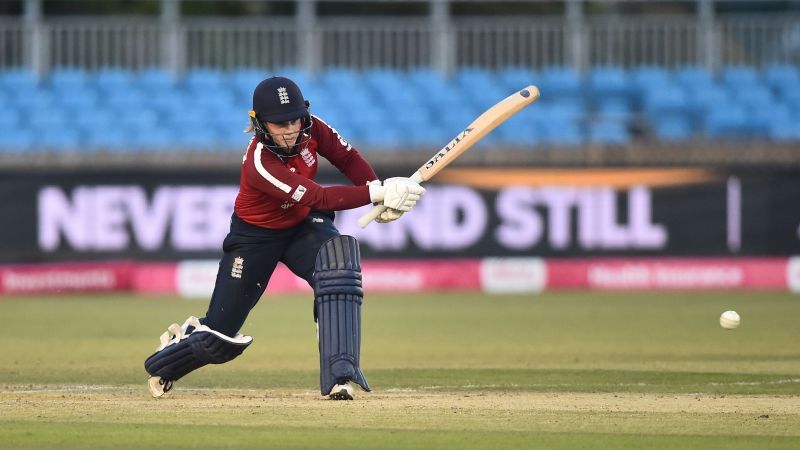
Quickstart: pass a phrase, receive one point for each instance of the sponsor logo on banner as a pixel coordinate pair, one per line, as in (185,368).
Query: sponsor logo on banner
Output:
(196,279)
(394,279)
(665,276)
(61,278)
(793,274)
(511,275)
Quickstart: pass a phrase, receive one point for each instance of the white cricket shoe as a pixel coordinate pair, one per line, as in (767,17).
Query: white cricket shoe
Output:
(342,392)
(159,387)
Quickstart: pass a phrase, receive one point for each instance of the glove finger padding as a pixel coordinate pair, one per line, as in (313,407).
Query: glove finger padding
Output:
(402,196)
(389,215)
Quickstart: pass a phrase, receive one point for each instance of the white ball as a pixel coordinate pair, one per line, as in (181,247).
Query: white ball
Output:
(729,320)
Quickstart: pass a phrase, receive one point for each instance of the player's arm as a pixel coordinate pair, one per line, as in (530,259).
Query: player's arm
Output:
(267,173)
(341,154)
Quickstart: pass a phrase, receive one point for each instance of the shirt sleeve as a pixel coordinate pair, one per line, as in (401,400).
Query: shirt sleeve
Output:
(265,171)
(341,154)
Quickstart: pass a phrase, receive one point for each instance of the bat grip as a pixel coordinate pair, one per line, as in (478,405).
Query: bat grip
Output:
(376,210)
(373,214)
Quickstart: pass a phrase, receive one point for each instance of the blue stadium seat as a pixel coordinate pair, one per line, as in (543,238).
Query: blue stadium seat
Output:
(753,95)
(426,79)
(54,118)
(485,97)
(387,138)
(410,117)
(792,97)
(204,80)
(211,99)
(245,80)
(34,101)
(111,79)
(521,130)
(198,137)
(606,82)
(155,139)
(87,119)
(9,119)
(666,99)
(727,121)
(609,133)
(300,76)
(763,115)
(65,140)
(784,131)
(232,137)
(19,140)
(558,81)
(381,79)
(672,129)
(568,109)
(735,77)
(780,77)
(16,79)
(429,137)
(645,79)
(515,78)
(398,100)
(475,79)
(113,139)
(703,98)
(155,78)
(341,80)
(140,120)
(694,77)
(614,110)
(453,121)
(77,99)
(169,102)
(126,100)
(561,133)
(67,78)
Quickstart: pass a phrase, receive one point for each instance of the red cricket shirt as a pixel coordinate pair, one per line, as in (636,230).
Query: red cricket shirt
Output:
(278,193)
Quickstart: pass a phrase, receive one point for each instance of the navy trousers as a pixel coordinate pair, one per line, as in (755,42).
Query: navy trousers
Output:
(251,254)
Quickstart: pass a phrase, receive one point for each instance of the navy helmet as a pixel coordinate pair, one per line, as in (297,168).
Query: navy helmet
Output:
(279,100)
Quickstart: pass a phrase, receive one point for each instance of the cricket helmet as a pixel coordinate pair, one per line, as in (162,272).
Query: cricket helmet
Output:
(278,100)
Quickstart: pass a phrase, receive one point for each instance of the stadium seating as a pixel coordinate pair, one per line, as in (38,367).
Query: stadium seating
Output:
(379,109)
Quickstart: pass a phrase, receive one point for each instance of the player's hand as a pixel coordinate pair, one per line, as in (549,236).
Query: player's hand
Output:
(390,215)
(397,193)
(402,193)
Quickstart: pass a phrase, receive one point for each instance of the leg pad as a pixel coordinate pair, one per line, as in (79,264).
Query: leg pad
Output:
(196,348)
(338,297)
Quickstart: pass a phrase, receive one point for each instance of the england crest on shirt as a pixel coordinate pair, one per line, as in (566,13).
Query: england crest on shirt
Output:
(308,158)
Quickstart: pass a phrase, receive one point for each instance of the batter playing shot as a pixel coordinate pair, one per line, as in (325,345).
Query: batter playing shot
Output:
(282,215)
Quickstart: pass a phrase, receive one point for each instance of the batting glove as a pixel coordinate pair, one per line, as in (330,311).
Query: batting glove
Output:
(397,193)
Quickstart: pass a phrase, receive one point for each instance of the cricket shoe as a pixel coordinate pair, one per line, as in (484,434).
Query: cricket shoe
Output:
(342,392)
(159,387)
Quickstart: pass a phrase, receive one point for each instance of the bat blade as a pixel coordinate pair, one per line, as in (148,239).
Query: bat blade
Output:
(473,133)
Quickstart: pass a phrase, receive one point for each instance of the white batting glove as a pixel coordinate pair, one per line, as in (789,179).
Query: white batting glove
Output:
(398,193)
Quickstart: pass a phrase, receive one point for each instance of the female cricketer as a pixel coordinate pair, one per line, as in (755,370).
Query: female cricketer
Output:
(281,214)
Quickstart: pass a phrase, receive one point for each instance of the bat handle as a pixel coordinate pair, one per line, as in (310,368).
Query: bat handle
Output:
(373,214)
(376,210)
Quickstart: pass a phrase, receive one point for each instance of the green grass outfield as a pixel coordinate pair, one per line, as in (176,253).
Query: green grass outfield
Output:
(559,370)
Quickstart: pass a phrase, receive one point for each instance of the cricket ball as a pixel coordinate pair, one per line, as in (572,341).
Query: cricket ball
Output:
(729,320)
